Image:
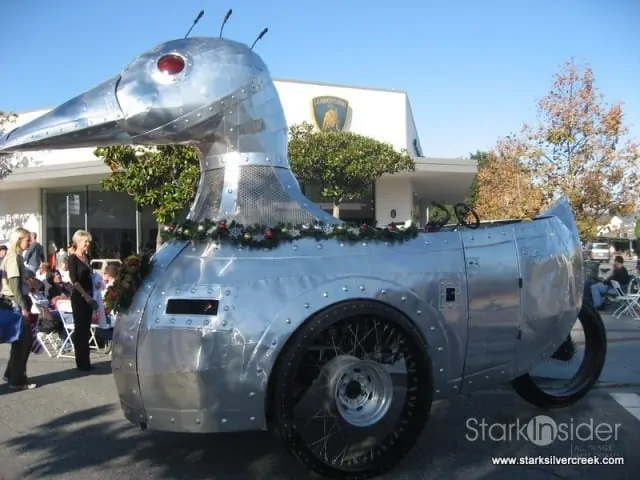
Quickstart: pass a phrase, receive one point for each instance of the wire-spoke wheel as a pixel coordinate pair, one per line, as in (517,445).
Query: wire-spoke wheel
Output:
(352,390)
(552,385)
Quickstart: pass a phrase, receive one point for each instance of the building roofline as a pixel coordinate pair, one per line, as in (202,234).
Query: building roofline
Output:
(281,80)
(341,85)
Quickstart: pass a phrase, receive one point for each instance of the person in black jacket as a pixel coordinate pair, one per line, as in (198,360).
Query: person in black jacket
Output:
(619,274)
(82,302)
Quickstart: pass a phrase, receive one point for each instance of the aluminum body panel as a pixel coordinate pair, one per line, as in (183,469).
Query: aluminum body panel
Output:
(490,304)
(200,373)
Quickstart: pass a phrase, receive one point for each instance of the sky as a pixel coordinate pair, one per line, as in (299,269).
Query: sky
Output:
(473,70)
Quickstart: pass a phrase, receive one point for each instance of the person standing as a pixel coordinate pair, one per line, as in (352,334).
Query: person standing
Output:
(34,255)
(15,289)
(82,302)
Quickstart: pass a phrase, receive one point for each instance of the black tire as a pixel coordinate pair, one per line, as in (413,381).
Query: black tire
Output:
(587,375)
(413,409)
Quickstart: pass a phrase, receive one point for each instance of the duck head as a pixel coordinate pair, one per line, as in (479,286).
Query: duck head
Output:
(214,93)
(183,91)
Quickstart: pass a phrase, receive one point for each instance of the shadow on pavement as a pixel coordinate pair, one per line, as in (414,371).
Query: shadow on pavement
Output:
(92,439)
(100,368)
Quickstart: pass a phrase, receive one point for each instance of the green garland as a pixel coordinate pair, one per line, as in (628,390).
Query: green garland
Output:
(259,236)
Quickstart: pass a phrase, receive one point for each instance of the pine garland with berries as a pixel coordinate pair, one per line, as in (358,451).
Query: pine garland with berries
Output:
(259,236)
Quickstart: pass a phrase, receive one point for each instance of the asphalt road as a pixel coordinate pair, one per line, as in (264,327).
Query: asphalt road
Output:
(71,427)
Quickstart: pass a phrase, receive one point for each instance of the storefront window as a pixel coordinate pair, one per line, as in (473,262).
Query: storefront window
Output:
(358,211)
(148,228)
(111,220)
(65,212)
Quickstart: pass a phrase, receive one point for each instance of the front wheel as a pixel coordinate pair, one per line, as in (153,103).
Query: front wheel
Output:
(352,390)
(567,392)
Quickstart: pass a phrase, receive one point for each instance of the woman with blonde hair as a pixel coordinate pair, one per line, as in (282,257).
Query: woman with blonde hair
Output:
(15,289)
(82,302)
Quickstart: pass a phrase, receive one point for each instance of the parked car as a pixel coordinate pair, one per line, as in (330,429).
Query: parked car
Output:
(101,264)
(598,252)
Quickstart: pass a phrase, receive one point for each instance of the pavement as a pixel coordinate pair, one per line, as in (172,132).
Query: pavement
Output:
(71,427)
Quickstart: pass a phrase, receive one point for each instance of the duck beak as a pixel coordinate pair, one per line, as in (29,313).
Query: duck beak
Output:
(88,120)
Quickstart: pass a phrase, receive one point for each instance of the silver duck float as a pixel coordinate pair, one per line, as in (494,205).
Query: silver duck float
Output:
(313,337)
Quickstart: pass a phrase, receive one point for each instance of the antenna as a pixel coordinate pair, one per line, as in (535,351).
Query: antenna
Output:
(194,23)
(225,20)
(262,34)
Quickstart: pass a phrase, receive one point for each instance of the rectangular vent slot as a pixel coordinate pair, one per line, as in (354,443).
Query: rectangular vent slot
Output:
(187,306)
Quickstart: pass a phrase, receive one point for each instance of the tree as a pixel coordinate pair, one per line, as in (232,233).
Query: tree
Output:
(505,185)
(343,164)
(163,177)
(481,159)
(579,149)
(5,158)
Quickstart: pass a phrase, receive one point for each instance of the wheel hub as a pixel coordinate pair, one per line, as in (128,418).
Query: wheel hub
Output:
(361,390)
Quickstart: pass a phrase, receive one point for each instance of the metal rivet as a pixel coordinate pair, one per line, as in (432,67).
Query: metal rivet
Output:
(188,322)
(252,419)
(173,420)
(440,349)
(344,289)
(274,342)
(419,312)
(252,394)
(173,320)
(319,245)
(426,242)
(224,323)
(224,420)
(193,290)
(404,299)
(227,292)
(134,391)
(364,244)
(295,247)
(383,291)
(325,294)
(226,308)
(441,370)
(288,320)
(258,370)
(198,421)
(432,328)
(361,287)
(306,305)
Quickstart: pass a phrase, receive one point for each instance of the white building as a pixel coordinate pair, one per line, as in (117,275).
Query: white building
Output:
(54,192)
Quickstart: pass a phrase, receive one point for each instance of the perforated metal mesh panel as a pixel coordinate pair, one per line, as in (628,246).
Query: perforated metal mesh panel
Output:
(263,199)
(261,196)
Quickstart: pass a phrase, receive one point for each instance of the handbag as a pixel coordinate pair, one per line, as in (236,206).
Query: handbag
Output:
(10,325)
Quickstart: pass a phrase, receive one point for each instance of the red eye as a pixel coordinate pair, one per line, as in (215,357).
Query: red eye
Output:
(171,64)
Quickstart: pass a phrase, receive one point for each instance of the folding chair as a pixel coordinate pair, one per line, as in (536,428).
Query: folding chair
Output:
(628,302)
(50,342)
(66,313)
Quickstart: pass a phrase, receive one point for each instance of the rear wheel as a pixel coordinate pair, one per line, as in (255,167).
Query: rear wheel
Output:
(352,390)
(563,392)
